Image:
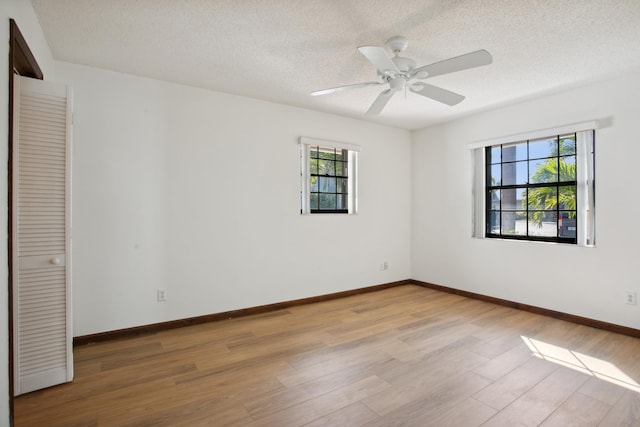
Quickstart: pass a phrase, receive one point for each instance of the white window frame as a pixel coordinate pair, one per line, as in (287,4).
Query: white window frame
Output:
(305,177)
(585,136)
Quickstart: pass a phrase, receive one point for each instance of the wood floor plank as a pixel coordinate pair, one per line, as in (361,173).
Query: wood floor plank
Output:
(534,406)
(323,405)
(506,389)
(504,363)
(497,346)
(350,362)
(444,336)
(429,403)
(578,410)
(353,415)
(468,413)
(345,353)
(416,382)
(305,391)
(452,359)
(626,411)
(606,392)
(406,356)
(366,327)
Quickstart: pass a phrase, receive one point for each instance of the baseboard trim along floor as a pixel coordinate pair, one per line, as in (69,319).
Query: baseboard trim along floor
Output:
(157,327)
(172,324)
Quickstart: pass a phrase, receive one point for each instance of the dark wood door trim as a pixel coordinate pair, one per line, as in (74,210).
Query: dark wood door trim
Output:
(21,62)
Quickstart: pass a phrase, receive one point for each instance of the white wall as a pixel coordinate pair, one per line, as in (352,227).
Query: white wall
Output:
(588,282)
(22,12)
(198,192)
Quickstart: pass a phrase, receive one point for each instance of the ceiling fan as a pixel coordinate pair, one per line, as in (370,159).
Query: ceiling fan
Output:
(400,73)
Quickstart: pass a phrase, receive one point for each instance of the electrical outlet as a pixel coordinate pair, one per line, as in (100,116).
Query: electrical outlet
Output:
(631,298)
(162,295)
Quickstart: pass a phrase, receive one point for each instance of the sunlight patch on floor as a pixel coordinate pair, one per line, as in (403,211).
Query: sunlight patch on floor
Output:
(589,365)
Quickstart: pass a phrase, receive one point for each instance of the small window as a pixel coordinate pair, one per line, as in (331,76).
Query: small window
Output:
(541,189)
(328,178)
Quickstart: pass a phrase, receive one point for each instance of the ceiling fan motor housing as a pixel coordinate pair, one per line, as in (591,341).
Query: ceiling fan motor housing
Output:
(404,64)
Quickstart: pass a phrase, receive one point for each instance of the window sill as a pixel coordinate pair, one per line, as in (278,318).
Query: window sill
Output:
(539,242)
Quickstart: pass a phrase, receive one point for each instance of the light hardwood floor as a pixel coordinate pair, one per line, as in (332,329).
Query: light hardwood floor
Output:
(405,356)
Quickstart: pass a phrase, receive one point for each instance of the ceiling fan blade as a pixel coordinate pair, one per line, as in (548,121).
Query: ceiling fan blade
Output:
(458,63)
(379,103)
(339,88)
(436,93)
(378,57)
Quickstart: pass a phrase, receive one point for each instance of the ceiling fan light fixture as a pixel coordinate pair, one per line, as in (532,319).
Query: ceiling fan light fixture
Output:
(397,83)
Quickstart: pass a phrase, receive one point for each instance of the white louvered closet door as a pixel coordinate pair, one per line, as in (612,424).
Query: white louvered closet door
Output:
(41,235)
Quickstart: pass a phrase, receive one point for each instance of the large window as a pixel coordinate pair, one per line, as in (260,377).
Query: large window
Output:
(328,176)
(540,188)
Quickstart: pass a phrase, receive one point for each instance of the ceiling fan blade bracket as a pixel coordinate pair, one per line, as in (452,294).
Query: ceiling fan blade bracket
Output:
(420,75)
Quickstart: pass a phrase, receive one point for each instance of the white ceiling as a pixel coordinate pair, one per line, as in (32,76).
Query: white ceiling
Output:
(280,50)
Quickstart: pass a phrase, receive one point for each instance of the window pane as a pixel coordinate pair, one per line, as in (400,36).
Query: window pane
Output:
(543,170)
(514,173)
(514,223)
(341,201)
(326,167)
(341,169)
(543,223)
(515,151)
(314,152)
(327,185)
(568,168)
(493,224)
(313,201)
(512,198)
(494,154)
(543,198)
(567,196)
(540,148)
(496,175)
(567,226)
(494,196)
(327,201)
(568,144)
(313,185)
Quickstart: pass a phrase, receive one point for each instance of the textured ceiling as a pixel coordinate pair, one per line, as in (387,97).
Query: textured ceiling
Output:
(280,50)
